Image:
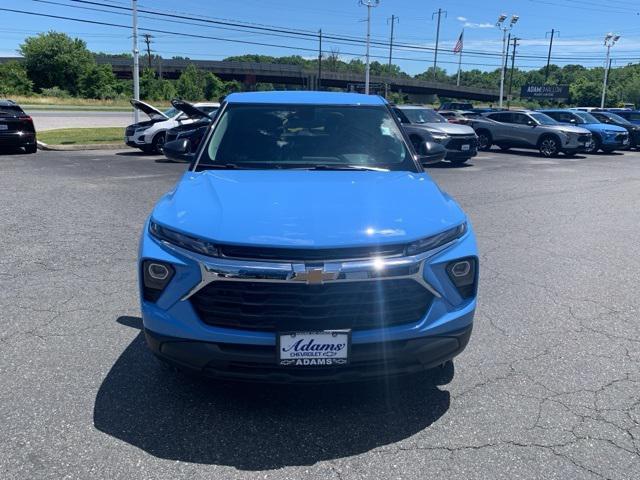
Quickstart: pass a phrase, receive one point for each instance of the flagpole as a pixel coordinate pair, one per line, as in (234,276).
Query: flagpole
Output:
(460,60)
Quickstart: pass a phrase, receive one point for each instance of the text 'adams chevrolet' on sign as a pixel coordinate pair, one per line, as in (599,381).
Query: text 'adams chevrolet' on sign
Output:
(553,92)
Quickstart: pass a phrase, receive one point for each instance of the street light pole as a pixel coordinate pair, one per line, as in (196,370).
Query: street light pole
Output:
(505,28)
(136,65)
(369,4)
(609,41)
(435,52)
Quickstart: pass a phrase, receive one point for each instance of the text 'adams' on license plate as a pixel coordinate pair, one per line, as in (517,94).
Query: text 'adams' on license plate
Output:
(327,348)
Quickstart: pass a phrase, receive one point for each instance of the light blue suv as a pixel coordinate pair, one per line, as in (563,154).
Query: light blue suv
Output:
(606,137)
(305,243)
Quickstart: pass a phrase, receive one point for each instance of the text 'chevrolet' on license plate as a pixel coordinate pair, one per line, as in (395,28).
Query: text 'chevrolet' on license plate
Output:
(314,349)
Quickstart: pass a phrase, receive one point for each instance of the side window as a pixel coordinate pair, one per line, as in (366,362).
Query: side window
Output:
(501,117)
(520,119)
(556,116)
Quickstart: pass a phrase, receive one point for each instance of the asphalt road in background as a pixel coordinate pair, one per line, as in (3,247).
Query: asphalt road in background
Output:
(52,119)
(548,387)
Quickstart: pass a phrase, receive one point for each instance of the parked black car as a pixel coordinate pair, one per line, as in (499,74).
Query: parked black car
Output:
(615,119)
(16,127)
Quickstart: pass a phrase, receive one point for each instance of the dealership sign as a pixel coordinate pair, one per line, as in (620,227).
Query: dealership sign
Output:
(552,92)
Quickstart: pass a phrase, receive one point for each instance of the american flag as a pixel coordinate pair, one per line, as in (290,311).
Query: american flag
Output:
(459,43)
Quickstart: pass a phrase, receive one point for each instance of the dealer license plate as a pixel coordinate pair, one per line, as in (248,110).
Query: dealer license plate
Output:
(327,348)
(464,148)
(4,126)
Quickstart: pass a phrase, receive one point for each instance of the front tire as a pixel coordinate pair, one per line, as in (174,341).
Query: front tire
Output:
(158,142)
(549,146)
(484,140)
(596,144)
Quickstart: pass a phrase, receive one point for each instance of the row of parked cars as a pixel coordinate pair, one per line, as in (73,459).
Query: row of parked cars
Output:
(461,133)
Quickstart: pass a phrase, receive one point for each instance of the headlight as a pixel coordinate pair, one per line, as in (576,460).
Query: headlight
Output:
(611,132)
(439,136)
(567,132)
(438,240)
(188,242)
(141,129)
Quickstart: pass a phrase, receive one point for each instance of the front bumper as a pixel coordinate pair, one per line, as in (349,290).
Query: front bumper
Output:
(177,333)
(259,363)
(461,147)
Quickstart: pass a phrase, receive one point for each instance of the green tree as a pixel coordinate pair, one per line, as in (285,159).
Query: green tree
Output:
(14,79)
(213,87)
(54,59)
(154,89)
(585,92)
(97,81)
(191,84)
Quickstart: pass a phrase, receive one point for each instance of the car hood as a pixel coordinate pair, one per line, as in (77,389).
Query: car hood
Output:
(150,110)
(567,128)
(601,127)
(449,128)
(188,108)
(312,209)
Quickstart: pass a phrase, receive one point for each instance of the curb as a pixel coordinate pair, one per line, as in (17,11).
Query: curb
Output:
(91,146)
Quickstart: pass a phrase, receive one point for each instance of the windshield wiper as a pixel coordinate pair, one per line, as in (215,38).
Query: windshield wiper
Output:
(222,166)
(346,167)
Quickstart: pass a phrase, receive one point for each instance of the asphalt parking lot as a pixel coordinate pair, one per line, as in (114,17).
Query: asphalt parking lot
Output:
(549,386)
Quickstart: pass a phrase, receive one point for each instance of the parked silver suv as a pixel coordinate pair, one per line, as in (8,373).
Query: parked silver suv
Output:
(459,140)
(529,129)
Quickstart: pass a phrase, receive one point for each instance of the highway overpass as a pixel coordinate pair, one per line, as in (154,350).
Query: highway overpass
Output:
(251,73)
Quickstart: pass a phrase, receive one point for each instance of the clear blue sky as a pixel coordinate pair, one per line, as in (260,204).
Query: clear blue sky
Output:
(582,25)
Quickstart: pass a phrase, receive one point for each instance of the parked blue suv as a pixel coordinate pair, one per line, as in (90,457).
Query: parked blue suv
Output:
(305,243)
(606,137)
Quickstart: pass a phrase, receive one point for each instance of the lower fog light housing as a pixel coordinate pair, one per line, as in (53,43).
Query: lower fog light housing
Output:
(156,275)
(464,275)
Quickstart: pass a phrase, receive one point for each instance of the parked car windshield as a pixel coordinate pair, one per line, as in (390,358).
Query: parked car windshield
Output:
(586,118)
(617,118)
(422,115)
(171,112)
(543,119)
(307,136)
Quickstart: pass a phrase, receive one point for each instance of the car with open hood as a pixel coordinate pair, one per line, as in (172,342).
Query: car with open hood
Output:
(193,131)
(306,243)
(150,135)
(459,140)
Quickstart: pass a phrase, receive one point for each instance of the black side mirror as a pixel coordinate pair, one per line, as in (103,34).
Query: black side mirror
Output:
(178,150)
(431,152)
(531,123)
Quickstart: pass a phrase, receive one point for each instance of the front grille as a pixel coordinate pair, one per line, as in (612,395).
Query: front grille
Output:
(304,254)
(287,306)
(129,131)
(622,137)
(456,142)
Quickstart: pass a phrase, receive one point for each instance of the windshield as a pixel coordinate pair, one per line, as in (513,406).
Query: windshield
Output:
(586,117)
(307,136)
(617,118)
(543,119)
(422,115)
(172,112)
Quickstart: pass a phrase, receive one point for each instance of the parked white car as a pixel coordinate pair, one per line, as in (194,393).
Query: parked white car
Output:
(150,135)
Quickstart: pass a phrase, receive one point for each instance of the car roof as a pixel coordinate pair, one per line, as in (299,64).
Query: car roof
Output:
(305,98)
(7,103)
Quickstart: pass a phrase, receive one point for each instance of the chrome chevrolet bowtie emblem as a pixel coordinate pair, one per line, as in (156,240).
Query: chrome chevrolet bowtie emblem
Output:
(313,275)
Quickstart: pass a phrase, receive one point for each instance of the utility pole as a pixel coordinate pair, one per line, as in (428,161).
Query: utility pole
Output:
(609,41)
(513,64)
(435,53)
(136,65)
(369,4)
(503,67)
(147,40)
(320,59)
(393,20)
(546,71)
